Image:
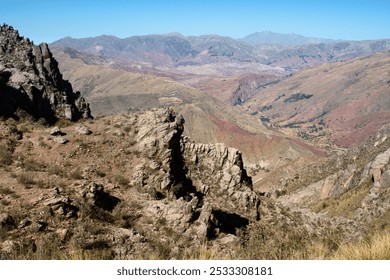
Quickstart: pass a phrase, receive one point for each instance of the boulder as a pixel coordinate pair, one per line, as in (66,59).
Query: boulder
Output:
(83,130)
(56,131)
(60,140)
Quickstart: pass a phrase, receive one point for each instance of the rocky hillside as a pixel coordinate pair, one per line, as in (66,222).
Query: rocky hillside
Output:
(136,186)
(342,103)
(31,83)
(132,186)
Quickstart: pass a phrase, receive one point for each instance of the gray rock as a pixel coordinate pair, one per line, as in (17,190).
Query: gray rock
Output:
(385,180)
(83,130)
(60,140)
(63,234)
(55,131)
(25,223)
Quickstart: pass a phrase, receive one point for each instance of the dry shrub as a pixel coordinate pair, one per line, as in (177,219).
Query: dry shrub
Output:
(202,252)
(121,181)
(55,169)
(32,165)
(6,157)
(26,179)
(275,242)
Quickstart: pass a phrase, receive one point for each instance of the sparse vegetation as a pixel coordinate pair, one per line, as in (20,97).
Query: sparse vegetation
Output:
(344,205)
(32,165)
(121,180)
(54,169)
(6,191)
(6,157)
(76,174)
(26,179)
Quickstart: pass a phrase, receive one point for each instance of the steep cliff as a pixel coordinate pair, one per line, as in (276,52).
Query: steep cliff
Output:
(31,83)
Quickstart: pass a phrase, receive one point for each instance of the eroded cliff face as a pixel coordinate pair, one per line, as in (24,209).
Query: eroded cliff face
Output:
(31,83)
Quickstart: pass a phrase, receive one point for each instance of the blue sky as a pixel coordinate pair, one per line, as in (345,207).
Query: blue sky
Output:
(343,19)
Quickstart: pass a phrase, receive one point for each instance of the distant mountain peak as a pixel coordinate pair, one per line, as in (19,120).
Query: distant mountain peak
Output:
(292,39)
(177,34)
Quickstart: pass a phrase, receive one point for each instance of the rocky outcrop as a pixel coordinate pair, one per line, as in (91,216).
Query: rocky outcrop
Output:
(218,172)
(31,83)
(209,182)
(378,172)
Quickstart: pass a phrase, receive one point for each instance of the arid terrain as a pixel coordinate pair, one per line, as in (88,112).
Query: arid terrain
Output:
(173,147)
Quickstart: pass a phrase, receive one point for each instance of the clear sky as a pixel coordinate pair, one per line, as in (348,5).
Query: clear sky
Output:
(44,20)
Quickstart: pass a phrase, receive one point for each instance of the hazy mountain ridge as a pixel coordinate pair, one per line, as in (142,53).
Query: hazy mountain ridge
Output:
(175,50)
(113,91)
(268,37)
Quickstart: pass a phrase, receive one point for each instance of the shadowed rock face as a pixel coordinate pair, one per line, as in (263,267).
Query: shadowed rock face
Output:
(31,83)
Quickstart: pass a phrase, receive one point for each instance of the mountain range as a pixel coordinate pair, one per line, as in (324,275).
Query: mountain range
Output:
(176,50)
(221,66)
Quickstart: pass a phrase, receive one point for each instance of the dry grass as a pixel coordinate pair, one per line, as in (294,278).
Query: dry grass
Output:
(6,191)
(55,169)
(202,252)
(376,247)
(278,240)
(32,165)
(121,180)
(26,179)
(76,174)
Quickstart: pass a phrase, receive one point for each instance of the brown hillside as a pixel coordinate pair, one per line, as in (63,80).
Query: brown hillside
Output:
(341,103)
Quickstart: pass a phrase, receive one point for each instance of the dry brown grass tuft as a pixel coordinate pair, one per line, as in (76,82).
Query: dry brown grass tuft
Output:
(202,252)
(376,247)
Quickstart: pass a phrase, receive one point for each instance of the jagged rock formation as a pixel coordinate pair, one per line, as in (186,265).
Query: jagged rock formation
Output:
(209,181)
(31,83)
